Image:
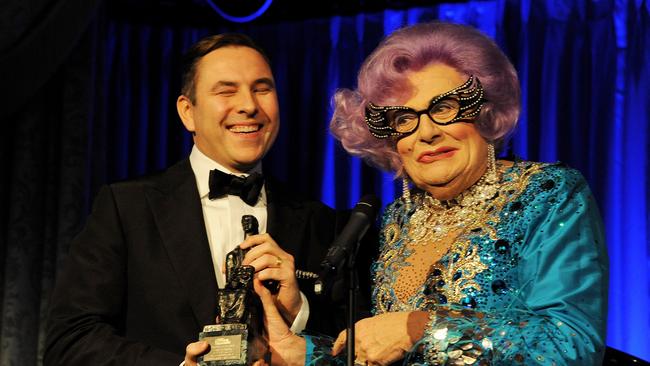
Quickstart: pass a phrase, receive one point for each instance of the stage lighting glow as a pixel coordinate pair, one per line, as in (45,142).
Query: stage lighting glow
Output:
(241,19)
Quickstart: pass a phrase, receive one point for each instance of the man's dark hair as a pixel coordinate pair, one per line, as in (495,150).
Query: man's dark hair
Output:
(203,47)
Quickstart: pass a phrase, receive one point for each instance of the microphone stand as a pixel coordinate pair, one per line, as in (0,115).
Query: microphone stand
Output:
(352,305)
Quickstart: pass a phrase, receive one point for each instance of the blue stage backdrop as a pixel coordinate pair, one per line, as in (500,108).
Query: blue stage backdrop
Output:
(584,67)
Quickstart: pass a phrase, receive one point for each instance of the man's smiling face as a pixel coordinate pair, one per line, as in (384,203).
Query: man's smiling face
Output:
(235,115)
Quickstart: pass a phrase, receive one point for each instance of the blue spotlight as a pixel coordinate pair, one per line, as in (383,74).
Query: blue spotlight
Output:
(243,19)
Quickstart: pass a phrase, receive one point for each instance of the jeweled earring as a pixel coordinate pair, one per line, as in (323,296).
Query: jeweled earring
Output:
(406,193)
(492,177)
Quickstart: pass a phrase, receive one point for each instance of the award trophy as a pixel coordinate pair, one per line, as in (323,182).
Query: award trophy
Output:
(238,337)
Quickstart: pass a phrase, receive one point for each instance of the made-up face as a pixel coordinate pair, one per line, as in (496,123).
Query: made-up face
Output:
(235,116)
(443,160)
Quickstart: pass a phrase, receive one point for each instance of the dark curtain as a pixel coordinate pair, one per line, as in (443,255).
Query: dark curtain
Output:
(89,99)
(45,105)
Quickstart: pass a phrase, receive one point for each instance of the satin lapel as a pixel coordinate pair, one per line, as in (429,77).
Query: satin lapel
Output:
(177,210)
(287,218)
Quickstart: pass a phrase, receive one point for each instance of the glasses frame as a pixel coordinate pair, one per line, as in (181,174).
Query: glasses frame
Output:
(469,95)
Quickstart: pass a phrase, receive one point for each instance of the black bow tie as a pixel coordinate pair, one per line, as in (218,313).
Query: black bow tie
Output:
(247,188)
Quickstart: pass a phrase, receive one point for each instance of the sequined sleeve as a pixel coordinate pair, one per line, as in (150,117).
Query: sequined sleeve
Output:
(318,351)
(557,315)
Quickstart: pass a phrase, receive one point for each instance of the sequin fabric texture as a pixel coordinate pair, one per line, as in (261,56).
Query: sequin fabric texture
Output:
(523,283)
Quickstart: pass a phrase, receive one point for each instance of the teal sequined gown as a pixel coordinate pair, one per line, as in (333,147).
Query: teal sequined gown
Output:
(524,284)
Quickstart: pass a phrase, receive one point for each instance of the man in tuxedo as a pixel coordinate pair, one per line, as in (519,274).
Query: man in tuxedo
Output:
(141,278)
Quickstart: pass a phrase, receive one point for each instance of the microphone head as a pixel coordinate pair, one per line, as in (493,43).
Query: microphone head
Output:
(347,242)
(369,205)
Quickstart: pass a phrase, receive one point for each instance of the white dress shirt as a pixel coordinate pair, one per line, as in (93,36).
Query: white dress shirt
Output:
(222,218)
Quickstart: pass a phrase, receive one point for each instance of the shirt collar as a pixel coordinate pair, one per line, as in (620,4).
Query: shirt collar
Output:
(202,165)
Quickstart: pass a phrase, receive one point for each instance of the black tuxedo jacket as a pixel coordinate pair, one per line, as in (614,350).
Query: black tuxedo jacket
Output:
(139,284)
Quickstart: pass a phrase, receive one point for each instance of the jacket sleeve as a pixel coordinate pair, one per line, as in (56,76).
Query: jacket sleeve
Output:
(86,316)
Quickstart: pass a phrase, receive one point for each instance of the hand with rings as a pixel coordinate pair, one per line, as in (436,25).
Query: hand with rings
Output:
(273,263)
(384,338)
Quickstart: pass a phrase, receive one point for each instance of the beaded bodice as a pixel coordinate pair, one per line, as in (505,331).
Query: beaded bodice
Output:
(441,253)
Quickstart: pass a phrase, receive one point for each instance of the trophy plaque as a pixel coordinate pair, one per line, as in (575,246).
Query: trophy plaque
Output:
(237,339)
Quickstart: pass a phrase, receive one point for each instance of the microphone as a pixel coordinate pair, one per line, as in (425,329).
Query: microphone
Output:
(361,218)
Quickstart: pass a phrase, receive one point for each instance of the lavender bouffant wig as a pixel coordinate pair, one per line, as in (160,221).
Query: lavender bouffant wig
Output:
(383,81)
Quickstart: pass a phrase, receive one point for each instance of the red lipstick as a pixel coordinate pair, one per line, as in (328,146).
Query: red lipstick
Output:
(440,153)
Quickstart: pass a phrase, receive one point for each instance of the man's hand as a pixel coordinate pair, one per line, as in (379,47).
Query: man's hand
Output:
(273,263)
(194,350)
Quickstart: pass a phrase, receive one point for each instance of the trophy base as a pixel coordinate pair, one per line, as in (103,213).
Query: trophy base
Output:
(228,345)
